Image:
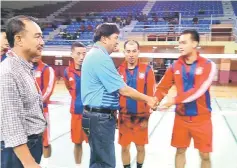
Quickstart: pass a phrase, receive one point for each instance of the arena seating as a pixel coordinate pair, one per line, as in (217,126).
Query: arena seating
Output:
(188,8)
(100,9)
(40,11)
(234,4)
(120,8)
(76,34)
(47,30)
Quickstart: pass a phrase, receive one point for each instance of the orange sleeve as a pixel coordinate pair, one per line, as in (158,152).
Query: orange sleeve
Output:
(165,84)
(151,81)
(201,87)
(49,83)
(66,81)
(120,70)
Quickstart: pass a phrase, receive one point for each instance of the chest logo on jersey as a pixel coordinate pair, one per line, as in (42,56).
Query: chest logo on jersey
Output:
(71,79)
(37,74)
(199,70)
(141,75)
(177,72)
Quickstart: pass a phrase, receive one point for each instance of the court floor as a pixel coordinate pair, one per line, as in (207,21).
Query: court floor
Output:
(159,153)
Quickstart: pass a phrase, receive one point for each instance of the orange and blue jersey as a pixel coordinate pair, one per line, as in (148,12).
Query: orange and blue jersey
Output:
(192,83)
(140,78)
(3,57)
(45,78)
(72,79)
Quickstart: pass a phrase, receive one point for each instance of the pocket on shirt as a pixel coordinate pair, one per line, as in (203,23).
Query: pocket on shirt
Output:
(86,125)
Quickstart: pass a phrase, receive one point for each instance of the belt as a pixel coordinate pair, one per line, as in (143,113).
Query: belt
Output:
(35,136)
(99,110)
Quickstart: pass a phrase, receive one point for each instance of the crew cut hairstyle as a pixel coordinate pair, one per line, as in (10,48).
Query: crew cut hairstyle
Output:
(194,34)
(77,44)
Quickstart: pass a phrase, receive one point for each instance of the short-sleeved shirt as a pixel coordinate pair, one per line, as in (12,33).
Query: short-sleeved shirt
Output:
(100,80)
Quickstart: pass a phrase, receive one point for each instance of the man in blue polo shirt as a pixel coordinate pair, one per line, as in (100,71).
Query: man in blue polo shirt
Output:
(100,89)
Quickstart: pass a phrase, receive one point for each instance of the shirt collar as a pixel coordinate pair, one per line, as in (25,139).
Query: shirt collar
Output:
(72,67)
(37,64)
(97,45)
(125,64)
(181,58)
(22,61)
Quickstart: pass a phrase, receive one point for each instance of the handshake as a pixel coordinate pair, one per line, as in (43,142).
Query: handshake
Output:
(153,102)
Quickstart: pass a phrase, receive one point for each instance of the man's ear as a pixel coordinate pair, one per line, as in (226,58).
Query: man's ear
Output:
(138,51)
(195,44)
(18,40)
(103,40)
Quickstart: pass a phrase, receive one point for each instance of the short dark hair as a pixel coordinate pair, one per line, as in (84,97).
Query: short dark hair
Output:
(77,44)
(15,25)
(126,42)
(105,29)
(194,34)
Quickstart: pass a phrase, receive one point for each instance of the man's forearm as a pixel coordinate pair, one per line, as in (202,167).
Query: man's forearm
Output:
(132,93)
(24,155)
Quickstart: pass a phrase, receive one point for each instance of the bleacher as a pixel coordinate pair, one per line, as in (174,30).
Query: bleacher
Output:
(41,11)
(161,21)
(93,12)
(101,8)
(188,8)
(85,36)
(47,30)
(234,5)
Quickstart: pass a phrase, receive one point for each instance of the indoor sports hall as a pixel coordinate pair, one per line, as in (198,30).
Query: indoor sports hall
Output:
(157,26)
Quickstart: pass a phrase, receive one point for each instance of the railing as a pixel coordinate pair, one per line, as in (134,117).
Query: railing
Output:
(175,30)
(235,29)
